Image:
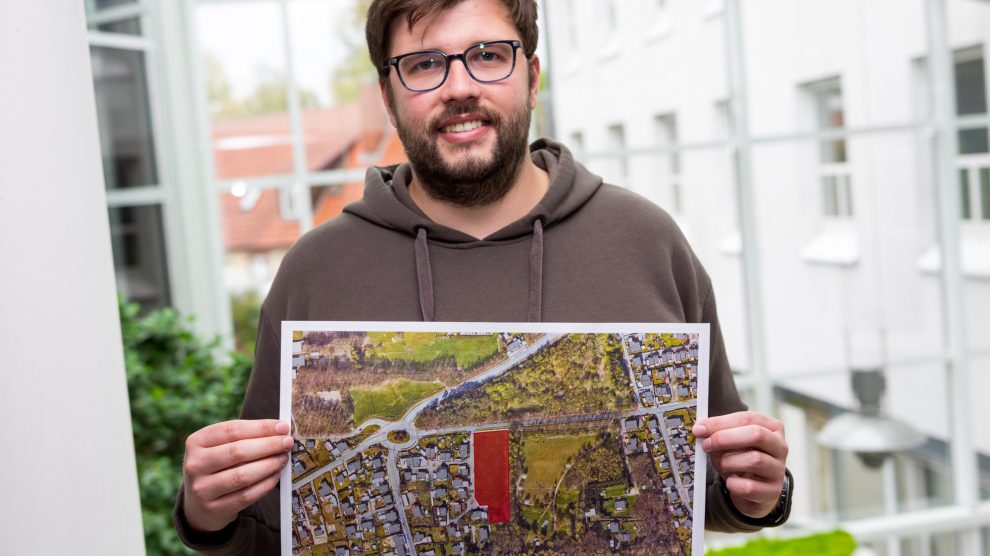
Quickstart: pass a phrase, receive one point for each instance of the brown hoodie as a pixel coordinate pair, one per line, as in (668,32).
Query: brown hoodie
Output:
(588,252)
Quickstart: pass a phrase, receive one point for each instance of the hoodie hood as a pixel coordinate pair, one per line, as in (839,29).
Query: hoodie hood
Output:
(386,201)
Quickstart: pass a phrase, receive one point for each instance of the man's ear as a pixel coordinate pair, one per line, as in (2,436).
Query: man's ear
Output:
(386,99)
(533,66)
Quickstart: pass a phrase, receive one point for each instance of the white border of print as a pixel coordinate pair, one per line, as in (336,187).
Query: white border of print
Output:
(703,331)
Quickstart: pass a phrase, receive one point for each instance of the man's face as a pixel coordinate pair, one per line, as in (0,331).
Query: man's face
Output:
(465,140)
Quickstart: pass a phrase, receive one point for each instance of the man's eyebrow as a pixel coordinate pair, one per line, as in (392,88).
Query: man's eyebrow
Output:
(457,50)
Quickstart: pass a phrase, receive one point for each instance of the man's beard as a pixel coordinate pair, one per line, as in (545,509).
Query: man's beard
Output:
(471,182)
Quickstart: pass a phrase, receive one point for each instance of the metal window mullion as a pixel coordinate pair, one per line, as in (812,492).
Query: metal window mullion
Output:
(116,13)
(120,41)
(817,135)
(746,196)
(210,246)
(973,121)
(951,283)
(173,247)
(329,177)
(298,189)
(134,196)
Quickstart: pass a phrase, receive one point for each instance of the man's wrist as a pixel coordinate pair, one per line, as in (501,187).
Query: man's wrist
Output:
(777,516)
(196,537)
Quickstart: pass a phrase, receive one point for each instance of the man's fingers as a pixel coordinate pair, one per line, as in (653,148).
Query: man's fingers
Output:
(232,431)
(205,461)
(238,500)
(711,425)
(752,462)
(211,489)
(753,489)
(744,438)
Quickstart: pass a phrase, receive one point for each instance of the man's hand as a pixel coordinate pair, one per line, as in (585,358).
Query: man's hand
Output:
(749,451)
(229,466)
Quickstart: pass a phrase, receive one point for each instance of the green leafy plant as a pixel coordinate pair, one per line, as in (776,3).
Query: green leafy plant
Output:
(245,309)
(177,385)
(836,543)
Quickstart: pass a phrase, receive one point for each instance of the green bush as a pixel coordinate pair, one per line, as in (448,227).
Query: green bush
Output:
(836,543)
(245,310)
(177,385)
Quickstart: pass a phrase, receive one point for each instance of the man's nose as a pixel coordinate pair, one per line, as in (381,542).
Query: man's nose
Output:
(459,84)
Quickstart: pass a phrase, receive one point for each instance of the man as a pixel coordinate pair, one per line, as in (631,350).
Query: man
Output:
(475,228)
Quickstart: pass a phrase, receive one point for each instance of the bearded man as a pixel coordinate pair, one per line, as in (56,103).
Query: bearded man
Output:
(476,227)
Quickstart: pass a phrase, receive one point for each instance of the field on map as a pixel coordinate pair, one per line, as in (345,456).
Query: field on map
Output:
(428,347)
(389,400)
(345,378)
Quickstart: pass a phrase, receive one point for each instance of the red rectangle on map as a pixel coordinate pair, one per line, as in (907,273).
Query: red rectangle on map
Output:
(491,473)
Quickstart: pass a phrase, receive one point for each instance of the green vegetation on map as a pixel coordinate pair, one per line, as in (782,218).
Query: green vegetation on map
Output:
(579,374)
(545,459)
(398,437)
(670,341)
(566,498)
(389,400)
(423,347)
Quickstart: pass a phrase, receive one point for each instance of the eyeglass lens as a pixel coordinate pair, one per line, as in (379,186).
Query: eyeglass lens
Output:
(485,62)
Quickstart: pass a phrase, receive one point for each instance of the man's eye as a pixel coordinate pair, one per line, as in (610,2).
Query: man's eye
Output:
(487,56)
(420,65)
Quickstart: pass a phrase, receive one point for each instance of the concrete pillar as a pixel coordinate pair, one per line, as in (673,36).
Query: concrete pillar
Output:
(70,482)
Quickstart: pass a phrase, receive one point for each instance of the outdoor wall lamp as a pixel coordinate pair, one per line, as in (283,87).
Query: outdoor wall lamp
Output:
(865,432)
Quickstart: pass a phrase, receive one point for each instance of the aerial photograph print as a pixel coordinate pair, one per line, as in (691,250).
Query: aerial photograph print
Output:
(446,438)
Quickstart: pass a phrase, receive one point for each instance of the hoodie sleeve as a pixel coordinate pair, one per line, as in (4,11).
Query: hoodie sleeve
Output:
(256,529)
(720,514)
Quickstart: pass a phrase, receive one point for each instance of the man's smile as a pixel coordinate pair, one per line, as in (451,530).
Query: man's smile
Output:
(464,127)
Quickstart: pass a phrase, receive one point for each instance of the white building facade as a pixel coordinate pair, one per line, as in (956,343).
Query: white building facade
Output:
(799,145)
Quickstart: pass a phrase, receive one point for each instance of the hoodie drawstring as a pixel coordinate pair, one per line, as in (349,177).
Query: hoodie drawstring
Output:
(536,273)
(424,274)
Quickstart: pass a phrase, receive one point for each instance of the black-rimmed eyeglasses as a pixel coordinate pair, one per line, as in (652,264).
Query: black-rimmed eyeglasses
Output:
(426,70)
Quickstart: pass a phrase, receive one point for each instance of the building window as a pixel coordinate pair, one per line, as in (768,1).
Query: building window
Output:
(617,144)
(971,99)
(127,142)
(669,171)
(119,53)
(138,240)
(974,143)
(834,176)
(974,183)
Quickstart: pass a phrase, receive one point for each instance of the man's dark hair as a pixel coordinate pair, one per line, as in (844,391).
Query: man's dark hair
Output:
(383,14)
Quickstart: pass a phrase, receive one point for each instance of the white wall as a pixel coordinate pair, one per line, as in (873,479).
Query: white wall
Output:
(70,484)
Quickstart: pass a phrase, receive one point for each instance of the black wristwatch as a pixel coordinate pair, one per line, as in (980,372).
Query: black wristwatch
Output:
(776,517)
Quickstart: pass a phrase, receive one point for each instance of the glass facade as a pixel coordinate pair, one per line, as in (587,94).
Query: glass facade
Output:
(295,117)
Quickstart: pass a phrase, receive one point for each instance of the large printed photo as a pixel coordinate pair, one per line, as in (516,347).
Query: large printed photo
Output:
(431,439)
